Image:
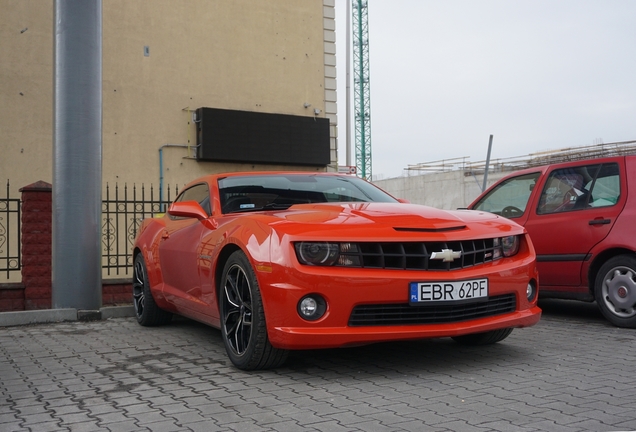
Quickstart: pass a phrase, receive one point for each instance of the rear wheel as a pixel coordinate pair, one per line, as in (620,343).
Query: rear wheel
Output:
(485,338)
(146,310)
(243,326)
(615,290)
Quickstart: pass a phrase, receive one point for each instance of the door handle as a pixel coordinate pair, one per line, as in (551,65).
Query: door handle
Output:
(600,222)
(165,235)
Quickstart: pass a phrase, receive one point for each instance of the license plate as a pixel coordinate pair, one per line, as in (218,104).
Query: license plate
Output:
(467,290)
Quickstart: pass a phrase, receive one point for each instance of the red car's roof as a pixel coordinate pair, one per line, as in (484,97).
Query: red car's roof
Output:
(544,168)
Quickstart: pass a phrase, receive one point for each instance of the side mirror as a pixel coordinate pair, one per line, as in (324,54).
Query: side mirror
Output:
(188,209)
(404,201)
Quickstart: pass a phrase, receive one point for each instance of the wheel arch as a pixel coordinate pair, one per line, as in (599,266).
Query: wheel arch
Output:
(136,251)
(224,255)
(598,262)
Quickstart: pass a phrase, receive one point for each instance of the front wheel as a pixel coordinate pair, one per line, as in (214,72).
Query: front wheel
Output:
(243,326)
(615,290)
(486,338)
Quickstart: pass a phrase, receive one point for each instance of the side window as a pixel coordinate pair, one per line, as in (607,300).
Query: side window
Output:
(579,188)
(509,198)
(606,190)
(198,193)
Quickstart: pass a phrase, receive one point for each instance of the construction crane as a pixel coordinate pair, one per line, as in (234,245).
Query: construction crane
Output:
(361,88)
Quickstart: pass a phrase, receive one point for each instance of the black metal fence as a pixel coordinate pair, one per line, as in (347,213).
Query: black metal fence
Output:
(9,234)
(122,213)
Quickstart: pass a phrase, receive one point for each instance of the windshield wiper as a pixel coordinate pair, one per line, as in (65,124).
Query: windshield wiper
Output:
(276,206)
(268,206)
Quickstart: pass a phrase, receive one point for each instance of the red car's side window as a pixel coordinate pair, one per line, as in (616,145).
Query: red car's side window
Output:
(578,188)
(606,190)
(199,193)
(509,198)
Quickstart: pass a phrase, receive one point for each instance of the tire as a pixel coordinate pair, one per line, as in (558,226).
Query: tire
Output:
(243,326)
(486,338)
(146,310)
(615,290)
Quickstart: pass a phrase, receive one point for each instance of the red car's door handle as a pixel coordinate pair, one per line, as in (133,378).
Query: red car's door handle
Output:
(165,235)
(600,221)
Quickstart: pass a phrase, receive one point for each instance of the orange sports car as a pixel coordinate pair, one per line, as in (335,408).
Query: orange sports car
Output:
(282,261)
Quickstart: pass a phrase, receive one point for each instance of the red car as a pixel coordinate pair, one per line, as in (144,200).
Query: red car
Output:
(581,217)
(287,261)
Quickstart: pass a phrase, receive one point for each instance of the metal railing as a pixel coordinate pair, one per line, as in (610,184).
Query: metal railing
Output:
(9,234)
(122,213)
(123,209)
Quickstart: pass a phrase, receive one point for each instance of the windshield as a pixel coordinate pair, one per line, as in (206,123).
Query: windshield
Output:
(510,197)
(263,192)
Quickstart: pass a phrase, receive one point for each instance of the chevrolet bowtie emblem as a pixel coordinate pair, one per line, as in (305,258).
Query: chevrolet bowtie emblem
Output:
(446,255)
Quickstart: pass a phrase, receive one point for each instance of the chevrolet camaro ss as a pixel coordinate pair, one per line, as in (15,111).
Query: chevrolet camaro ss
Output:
(283,261)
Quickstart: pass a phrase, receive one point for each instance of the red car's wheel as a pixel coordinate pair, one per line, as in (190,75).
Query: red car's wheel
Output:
(485,338)
(146,310)
(243,320)
(615,290)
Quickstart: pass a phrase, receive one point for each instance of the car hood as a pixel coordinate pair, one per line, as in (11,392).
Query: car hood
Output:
(398,217)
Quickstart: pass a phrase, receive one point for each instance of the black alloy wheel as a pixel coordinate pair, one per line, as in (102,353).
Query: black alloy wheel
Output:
(243,326)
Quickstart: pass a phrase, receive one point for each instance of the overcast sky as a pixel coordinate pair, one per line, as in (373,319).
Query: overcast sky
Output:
(536,74)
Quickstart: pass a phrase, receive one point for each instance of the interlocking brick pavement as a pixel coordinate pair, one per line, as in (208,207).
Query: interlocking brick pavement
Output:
(571,372)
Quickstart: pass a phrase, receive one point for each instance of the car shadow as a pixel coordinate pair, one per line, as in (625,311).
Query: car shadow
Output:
(441,355)
(570,309)
(432,356)
(428,356)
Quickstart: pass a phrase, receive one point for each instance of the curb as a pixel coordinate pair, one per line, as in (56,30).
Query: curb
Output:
(42,316)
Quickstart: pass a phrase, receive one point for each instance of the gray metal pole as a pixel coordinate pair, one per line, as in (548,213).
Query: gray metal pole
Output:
(77,155)
(348,88)
(487,164)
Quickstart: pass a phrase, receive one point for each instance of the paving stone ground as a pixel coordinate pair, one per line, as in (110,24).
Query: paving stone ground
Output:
(571,372)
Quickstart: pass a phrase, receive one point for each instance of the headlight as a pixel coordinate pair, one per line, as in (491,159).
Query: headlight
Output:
(510,245)
(317,253)
(506,246)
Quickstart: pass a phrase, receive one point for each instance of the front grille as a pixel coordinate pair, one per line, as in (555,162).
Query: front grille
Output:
(402,314)
(416,255)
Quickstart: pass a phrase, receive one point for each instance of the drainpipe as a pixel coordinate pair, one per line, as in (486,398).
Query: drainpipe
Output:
(161,167)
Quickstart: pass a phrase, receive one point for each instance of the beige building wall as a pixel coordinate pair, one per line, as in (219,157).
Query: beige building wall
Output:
(162,59)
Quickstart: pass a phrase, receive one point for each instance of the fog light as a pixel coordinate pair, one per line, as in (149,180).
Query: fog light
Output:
(308,306)
(312,307)
(531,291)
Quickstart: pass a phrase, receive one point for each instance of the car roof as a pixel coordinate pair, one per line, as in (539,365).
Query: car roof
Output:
(543,168)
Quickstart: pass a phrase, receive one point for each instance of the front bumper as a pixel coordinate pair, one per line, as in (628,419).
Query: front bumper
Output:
(346,289)
(334,337)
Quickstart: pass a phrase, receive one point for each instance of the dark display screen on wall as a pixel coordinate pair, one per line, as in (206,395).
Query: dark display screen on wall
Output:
(253,137)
